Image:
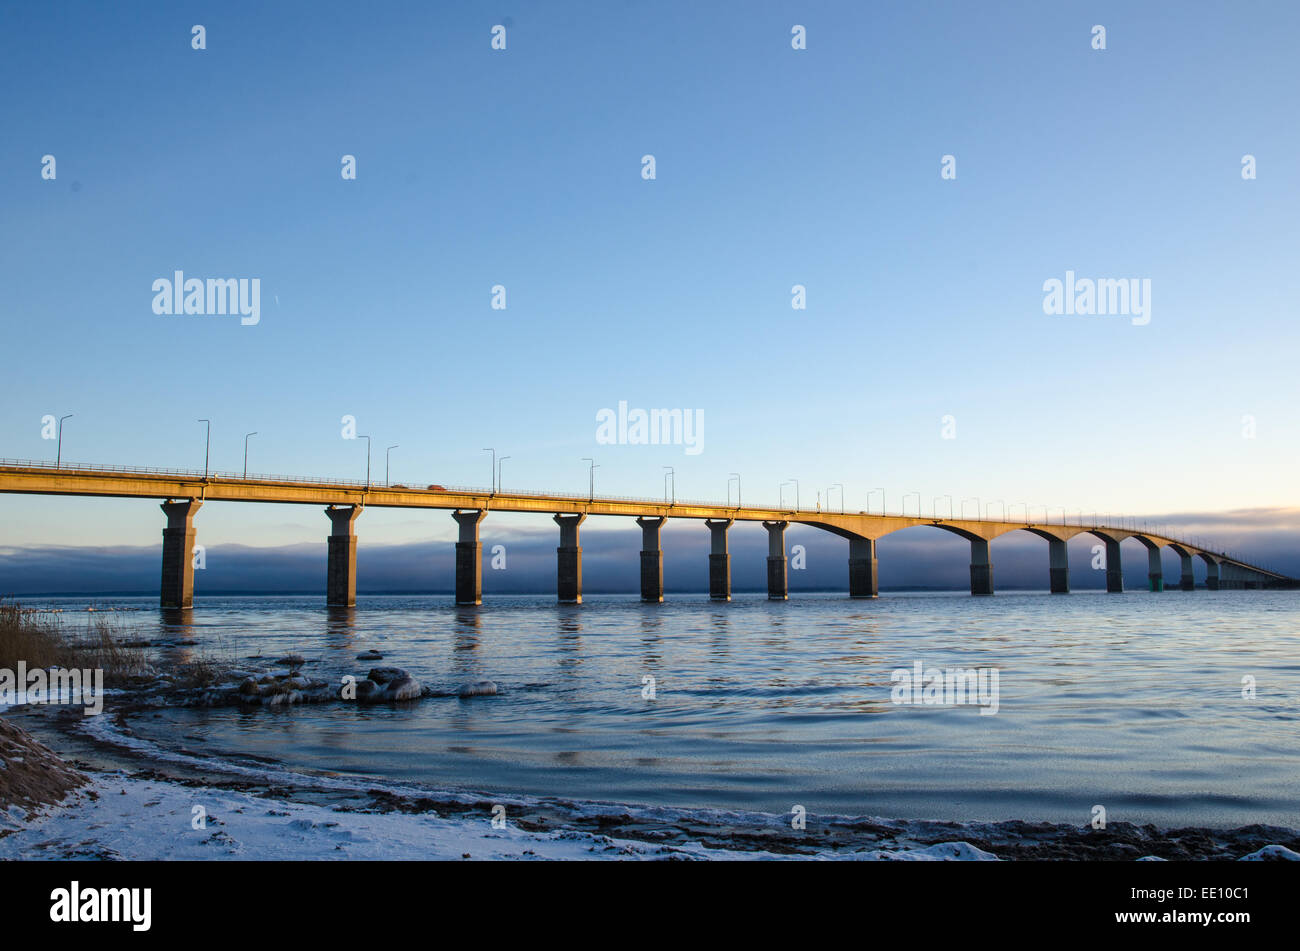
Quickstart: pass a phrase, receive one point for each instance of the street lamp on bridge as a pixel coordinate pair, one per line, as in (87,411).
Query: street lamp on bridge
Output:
(58,451)
(881,490)
(207,446)
(500,463)
(386,455)
(736,476)
(591,477)
(246,435)
(670,474)
(494,469)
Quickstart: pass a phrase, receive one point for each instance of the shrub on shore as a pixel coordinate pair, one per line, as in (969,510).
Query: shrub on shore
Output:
(42,640)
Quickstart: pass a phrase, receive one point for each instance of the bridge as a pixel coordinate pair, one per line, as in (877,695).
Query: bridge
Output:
(183,493)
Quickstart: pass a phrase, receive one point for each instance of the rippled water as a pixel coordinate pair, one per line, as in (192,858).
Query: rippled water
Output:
(1130,701)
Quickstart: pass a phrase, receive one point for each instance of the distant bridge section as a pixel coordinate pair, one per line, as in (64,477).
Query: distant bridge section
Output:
(183,493)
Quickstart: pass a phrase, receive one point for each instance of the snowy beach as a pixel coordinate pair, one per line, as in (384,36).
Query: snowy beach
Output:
(140,802)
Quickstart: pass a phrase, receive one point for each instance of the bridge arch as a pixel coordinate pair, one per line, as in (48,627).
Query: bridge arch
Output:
(1211,570)
(1187,575)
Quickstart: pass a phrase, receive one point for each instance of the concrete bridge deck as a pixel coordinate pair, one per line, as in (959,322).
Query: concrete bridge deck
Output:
(183,492)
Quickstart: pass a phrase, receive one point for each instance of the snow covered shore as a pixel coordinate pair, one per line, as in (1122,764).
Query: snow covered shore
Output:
(143,802)
(118,817)
(121,815)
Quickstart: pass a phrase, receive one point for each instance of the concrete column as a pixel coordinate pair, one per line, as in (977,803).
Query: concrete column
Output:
(341,569)
(778,585)
(719,560)
(1212,575)
(469,558)
(568,560)
(177,589)
(863,581)
(1155,570)
(1188,580)
(1114,572)
(652,559)
(1058,557)
(981,569)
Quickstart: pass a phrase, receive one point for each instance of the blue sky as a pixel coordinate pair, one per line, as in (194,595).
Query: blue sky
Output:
(774,167)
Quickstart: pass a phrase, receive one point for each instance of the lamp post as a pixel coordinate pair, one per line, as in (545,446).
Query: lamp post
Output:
(591,478)
(934,505)
(918,502)
(246,435)
(58,452)
(976,500)
(736,476)
(386,455)
(670,474)
(367,439)
(835,485)
(207,446)
(796,492)
(500,463)
(881,490)
(494,469)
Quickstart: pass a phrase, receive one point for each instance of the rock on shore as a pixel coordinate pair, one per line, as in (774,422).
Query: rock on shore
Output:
(479,688)
(272,691)
(386,685)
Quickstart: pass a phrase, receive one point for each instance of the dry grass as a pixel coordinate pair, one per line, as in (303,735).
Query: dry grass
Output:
(205,671)
(43,640)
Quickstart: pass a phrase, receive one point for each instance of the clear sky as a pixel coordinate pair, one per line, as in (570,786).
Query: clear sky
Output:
(774,167)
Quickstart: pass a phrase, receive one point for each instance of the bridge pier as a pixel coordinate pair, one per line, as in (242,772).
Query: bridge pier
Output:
(1058,556)
(1155,570)
(1211,575)
(1188,580)
(1114,571)
(719,560)
(863,579)
(981,569)
(652,559)
(469,557)
(341,568)
(177,589)
(778,579)
(569,560)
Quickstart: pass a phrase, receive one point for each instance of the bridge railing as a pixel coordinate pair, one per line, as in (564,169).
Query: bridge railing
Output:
(416,486)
